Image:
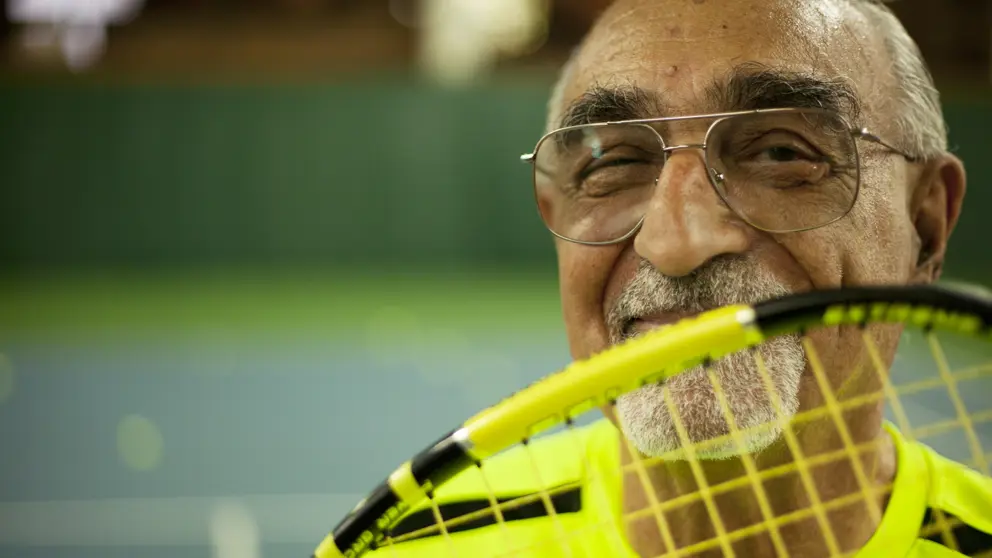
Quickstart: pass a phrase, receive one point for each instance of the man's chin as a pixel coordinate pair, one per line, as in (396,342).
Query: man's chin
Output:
(670,448)
(748,442)
(646,421)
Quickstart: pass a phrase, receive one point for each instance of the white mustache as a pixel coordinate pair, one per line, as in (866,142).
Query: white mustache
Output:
(723,281)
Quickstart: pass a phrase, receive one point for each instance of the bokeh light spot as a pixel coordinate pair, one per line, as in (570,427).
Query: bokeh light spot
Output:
(234,531)
(139,443)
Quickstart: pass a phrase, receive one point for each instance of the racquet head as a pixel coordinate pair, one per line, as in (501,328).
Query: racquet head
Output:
(842,346)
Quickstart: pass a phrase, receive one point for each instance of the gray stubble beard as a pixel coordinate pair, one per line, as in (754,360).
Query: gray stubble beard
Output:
(644,414)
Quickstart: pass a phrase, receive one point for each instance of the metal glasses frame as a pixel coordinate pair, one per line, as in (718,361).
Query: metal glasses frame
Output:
(714,177)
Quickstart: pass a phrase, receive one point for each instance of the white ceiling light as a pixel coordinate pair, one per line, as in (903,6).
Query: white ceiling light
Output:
(463,38)
(76,27)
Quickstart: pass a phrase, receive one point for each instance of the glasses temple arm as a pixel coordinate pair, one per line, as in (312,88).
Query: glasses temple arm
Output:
(866,134)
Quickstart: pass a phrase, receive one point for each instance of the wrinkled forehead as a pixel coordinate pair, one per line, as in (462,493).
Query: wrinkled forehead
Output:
(686,54)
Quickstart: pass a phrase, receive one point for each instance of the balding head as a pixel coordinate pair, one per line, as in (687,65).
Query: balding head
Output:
(676,231)
(856,42)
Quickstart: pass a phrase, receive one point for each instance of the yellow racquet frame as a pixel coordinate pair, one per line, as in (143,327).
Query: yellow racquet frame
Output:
(655,356)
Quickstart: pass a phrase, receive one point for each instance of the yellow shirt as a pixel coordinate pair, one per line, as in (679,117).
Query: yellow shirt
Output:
(587,515)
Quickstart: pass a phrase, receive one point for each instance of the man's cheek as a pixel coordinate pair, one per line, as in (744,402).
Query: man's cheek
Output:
(819,255)
(882,257)
(583,274)
(879,238)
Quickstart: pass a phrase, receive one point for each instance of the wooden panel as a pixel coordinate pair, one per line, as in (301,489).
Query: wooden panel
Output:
(267,45)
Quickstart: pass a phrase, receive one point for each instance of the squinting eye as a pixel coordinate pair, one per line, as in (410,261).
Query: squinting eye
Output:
(773,147)
(783,154)
(602,165)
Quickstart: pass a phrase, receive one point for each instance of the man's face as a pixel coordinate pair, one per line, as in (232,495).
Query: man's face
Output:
(692,252)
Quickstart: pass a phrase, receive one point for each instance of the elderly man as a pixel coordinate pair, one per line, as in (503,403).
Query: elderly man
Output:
(658,223)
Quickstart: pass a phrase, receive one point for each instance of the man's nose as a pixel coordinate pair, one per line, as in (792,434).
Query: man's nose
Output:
(686,223)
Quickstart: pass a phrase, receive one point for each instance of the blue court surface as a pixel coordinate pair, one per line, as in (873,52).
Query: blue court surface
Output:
(139,421)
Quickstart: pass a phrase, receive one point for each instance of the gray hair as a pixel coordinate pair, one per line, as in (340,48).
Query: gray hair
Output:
(918,118)
(557,100)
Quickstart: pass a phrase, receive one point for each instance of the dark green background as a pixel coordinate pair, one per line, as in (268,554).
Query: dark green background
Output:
(379,174)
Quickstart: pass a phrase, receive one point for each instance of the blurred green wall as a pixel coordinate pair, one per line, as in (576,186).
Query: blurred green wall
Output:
(379,174)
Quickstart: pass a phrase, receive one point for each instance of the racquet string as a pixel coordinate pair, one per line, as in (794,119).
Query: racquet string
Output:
(655,507)
(700,477)
(495,507)
(977,453)
(750,467)
(802,463)
(439,521)
(970,418)
(613,531)
(546,500)
(833,405)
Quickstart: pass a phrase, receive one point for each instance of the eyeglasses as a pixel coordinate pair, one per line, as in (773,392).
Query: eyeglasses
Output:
(780,170)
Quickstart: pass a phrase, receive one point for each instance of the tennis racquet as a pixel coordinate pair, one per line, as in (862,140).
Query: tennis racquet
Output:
(950,325)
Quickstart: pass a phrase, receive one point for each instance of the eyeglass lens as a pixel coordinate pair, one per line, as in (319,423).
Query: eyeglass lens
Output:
(779,171)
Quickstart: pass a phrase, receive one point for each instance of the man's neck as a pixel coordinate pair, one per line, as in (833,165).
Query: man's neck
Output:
(847,513)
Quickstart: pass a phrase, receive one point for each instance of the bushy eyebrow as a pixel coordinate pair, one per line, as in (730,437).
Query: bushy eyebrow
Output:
(753,86)
(610,104)
(747,86)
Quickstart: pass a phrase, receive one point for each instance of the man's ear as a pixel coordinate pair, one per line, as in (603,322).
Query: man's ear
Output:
(934,209)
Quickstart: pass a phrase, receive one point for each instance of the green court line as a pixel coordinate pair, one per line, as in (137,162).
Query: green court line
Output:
(243,303)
